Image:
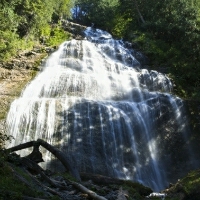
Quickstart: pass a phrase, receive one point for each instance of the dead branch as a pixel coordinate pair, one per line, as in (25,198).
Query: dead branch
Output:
(87,191)
(20,147)
(31,164)
(56,152)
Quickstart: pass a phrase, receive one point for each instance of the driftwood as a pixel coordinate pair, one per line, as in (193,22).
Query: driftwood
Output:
(56,152)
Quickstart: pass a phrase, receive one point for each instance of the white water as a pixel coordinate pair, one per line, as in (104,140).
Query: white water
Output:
(92,101)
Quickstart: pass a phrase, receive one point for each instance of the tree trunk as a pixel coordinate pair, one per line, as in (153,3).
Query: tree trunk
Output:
(139,13)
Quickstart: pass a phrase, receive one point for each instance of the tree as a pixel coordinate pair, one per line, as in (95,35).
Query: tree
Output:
(101,12)
(25,20)
(138,10)
(167,31)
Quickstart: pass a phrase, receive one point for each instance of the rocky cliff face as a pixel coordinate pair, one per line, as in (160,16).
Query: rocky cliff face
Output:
(17,72)
(14,75)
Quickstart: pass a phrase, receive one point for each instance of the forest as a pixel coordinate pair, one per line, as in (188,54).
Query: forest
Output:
(24,22)
(167,31)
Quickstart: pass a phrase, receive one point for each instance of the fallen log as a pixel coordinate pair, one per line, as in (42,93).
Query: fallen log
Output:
(85,190)
(62,157)
(30,162)
(57,185)
(20,146)
(56,152)
(35,155)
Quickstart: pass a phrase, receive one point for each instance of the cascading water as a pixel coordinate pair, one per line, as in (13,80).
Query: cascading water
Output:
(94,102)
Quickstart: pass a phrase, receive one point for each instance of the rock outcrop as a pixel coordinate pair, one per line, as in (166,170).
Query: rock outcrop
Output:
(15,74)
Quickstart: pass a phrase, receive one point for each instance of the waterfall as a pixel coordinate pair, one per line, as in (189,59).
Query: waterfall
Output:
(93,101)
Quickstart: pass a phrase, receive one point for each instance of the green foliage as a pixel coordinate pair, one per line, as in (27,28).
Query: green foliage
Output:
(121,26)
(55,198)
(24,21)
(11,44)
(8,18)
(187,186)
(62,8)
(169,35)
(101,12)
(35,15)
(136,190)
(45,31)
(57,36)
(191,182)
(65,175)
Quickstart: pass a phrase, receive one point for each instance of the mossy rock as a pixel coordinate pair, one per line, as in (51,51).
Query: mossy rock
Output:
(136,190)
(137,187)
(186,188)
(12,188)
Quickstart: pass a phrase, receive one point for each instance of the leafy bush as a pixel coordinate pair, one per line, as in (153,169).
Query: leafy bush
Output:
(11,44)
(57,36)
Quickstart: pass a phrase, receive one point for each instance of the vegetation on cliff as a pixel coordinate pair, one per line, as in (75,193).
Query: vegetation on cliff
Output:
(167,31)
(24,22)
(186,188)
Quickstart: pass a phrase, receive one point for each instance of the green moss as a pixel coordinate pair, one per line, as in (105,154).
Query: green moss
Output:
(11,187)
(65,175)
(187,187)
(55,198)
(2,115)
(135,190)
(191,183)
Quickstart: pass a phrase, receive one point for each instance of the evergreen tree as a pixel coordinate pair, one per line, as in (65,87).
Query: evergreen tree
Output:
(27,20)
(100,12)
